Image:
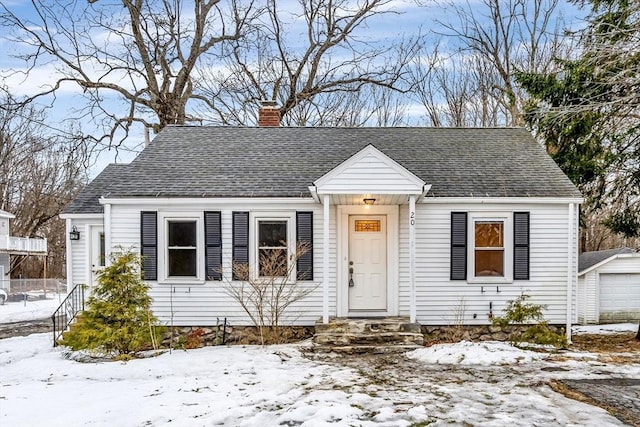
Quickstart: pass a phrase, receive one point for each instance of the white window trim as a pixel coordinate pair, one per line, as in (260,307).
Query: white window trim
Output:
(507,219)
(163,247)
(254,219)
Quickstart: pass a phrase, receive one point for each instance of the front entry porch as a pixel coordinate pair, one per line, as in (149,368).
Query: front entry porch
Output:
(367,190)
(367,335)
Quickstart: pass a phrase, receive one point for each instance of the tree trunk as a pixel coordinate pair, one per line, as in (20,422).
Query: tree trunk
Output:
(638,334)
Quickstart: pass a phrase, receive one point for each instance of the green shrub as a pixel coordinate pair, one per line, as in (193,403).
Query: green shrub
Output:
(522,312)
(118,320)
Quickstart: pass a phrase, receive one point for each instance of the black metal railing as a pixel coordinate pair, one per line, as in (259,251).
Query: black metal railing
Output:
(67,311)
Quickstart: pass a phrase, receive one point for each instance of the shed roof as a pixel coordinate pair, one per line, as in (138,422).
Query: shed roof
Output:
(190,161)
(5,214)
(587,260)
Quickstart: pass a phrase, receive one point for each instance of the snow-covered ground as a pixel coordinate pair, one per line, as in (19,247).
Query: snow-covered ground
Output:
(605,329)
(20,311)
(489,384)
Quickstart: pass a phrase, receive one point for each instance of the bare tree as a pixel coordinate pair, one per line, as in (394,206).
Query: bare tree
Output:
(309,60)
(476,86)
(40,172)
(139,54)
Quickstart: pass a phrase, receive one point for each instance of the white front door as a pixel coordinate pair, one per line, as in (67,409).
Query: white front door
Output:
(98,260)
(367,262)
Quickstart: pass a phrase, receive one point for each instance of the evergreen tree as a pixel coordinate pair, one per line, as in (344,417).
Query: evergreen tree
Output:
(587,113)
(118,319)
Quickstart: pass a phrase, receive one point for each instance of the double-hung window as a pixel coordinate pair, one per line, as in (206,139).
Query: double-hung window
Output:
(181,247)
(273,237)
(273,257)
(182,254)
(491,248)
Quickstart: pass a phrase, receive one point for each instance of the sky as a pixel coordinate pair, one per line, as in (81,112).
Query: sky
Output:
(411,18)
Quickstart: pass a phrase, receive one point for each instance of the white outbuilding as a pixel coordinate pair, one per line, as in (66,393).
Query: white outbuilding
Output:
(609,286)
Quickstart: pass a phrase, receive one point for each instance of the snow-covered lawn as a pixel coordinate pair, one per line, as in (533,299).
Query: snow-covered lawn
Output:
(488,384)
(19,311)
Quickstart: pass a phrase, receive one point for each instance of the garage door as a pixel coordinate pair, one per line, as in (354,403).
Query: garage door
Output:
(619,297)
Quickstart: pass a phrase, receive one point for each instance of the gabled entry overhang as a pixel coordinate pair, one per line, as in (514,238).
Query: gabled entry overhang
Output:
(368,174)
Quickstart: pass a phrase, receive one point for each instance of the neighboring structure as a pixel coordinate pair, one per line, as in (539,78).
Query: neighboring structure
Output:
(609,286)
(435,224)
(16,246)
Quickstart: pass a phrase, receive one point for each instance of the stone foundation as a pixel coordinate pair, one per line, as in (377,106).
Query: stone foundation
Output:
(475,333)
(235,335)
(248,335)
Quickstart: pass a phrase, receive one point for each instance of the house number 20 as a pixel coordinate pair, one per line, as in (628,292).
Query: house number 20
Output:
(412,215)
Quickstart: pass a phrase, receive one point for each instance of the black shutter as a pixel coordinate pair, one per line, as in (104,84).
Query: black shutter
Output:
(304,235)
(149,244)
(521,245)
(240,253)
(213,245)
(458,246)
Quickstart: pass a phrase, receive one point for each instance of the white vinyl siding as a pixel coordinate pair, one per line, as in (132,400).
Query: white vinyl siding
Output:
(79,252)
(366,170)
(439,299)
(587,298)
(203,304)
(359,178)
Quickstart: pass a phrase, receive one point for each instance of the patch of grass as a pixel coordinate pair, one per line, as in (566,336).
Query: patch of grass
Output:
(617,343)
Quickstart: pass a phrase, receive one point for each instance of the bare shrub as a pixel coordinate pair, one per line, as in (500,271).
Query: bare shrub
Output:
(268,290)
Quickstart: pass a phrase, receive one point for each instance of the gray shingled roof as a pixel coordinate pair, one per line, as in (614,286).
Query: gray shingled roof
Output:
(188,161)
(589,259)
(87,200)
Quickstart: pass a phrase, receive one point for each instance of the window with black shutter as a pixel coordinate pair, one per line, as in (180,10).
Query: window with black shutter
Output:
(149,244)
(213,245)
(304,242)
(521,245)
(240,250)
(458,245)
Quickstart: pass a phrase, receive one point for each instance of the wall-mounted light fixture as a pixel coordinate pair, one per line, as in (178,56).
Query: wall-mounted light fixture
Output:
(74,234)
(369,201)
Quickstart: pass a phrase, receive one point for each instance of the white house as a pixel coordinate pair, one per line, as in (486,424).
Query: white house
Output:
(5,264)
(609,286)
(416,222)
(16,246)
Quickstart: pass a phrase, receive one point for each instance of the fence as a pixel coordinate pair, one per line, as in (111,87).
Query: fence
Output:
(32,289)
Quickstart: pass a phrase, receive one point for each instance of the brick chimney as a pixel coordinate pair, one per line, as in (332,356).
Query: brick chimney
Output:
(268,114)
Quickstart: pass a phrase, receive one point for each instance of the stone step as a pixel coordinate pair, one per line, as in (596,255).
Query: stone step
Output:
(365,349)
(367,335)
(368,328)
(381,338)
(391,324)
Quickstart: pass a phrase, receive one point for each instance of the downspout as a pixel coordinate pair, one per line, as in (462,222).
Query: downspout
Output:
(571,252)
(325,261)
